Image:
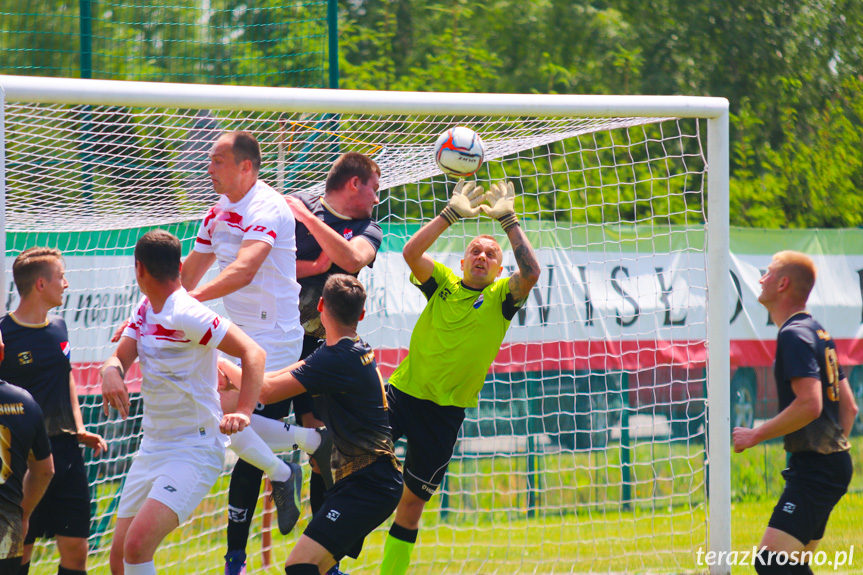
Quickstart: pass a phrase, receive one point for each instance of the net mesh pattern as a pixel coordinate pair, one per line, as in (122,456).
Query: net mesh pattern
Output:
(586,451)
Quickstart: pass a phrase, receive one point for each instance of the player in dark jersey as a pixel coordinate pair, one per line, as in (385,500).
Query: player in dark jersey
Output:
(817,411)
(37,358)
(335,234)
(347,388)
(26,468)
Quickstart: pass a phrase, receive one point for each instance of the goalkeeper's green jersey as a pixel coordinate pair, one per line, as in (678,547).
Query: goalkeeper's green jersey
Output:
(456,338)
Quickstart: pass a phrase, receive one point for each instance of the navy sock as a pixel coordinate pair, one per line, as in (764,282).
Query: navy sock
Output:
(242,500)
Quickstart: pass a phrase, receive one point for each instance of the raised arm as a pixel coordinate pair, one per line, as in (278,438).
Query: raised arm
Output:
(464,203)
(253,358)
(238,274)
(523,280)
(350,255)
(501,199)
(308,268)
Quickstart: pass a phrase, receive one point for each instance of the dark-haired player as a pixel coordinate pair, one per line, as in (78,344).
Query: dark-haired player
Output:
(452,346)
(816,417)
(348,391)
(37,358)
(175,338)
(26,468)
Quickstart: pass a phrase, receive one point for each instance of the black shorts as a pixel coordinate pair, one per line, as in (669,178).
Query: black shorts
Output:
(431,431)
(10,566)
(65,507)
(355,506)
(814,484)
(276,410)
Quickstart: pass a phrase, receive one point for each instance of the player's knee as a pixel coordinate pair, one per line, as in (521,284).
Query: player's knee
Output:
(73,553)
(135,551)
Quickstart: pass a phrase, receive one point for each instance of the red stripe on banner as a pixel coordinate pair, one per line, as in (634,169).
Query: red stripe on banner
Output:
(628,355)
(564,356)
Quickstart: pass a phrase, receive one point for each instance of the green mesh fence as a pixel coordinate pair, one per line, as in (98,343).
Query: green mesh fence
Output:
(261,43)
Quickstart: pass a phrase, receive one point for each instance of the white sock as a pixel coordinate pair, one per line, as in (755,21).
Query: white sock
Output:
(252,449)
(281,436)
(148,568)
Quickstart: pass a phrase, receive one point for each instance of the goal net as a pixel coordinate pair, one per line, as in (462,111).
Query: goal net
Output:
(588,450)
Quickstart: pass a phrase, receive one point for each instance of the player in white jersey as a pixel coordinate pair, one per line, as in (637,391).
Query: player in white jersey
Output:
(176,339)
(250,232)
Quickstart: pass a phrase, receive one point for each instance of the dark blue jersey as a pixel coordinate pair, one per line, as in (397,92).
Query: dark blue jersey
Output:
(308,248)
(349,397)
(37,359)
(805,349)
(22,431)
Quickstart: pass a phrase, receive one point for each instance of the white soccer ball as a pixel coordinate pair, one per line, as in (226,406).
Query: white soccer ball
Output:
(459,152)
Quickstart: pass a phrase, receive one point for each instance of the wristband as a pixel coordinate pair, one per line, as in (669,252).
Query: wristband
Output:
(450,215)
(112,361)
(508,220)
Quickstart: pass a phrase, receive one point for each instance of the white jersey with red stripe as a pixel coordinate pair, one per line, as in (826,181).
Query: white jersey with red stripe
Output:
(178,355)
(272,298)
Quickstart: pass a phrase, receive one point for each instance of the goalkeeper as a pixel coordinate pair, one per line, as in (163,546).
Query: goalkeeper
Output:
(452,346)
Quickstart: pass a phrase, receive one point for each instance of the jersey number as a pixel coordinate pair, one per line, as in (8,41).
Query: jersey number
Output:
(832,373)
(5,454)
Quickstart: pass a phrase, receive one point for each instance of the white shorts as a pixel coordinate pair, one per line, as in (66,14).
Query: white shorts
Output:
(179,477)
(283,348)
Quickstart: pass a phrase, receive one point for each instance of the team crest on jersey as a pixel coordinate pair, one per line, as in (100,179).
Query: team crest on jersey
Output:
(348,234)
(478,302)
(66,347)
(25,358)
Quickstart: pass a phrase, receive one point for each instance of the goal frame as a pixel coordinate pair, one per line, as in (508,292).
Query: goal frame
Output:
(714,110)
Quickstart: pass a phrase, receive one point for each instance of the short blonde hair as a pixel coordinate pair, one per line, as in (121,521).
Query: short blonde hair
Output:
(800,269)
(32,264)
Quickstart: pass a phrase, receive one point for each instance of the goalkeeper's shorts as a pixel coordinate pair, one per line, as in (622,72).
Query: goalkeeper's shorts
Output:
(431,431)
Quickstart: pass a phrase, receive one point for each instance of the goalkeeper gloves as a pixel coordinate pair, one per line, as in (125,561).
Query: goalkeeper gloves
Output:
(464,203)
(501,204)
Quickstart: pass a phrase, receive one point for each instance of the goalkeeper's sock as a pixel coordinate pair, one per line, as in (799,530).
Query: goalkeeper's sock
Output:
(397,550)
(251,448)
(282,436)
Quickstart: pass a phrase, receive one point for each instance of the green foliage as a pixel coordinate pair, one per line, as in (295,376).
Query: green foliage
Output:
(268,42)
(789,69)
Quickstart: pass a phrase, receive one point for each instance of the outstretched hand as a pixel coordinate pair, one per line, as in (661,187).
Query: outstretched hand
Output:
(466,199)
(501,200)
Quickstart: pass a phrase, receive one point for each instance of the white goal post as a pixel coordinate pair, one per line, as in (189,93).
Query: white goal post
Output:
(587,451)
